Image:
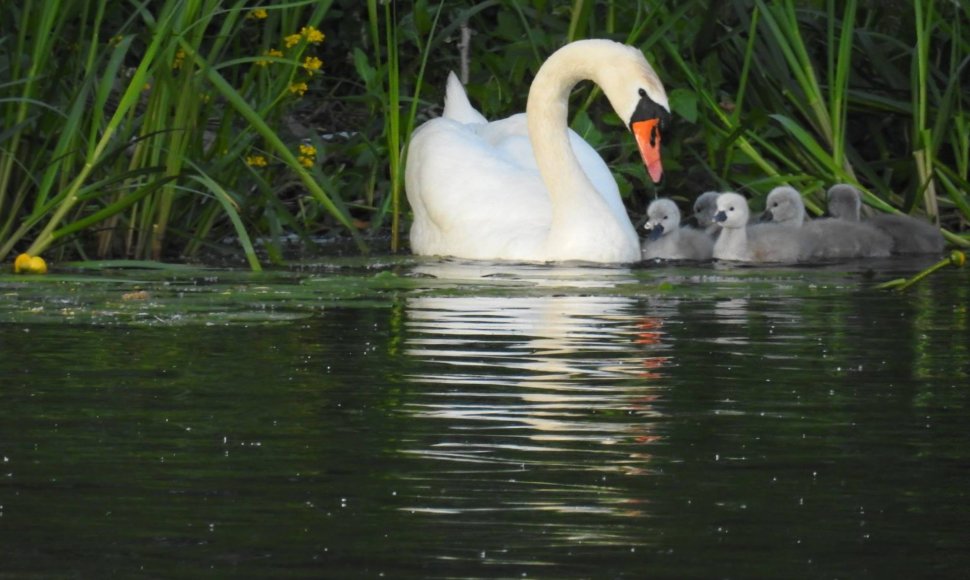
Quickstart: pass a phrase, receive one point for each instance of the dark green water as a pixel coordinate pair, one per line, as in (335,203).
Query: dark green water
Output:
(408,419)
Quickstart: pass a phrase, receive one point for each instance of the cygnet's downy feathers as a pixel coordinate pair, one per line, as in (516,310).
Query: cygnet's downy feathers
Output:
(760,243)
(908,235)
(831,238)
(667,240)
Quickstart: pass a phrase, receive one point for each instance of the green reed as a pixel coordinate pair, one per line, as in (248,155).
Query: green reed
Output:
(161,108)
(162,129)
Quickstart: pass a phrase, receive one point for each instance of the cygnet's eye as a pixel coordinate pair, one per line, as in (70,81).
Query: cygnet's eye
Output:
(731,208)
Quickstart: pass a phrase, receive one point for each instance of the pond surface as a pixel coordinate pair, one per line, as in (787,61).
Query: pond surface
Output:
(404,418)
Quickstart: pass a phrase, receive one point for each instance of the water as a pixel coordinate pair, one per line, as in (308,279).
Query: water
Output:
(408,418)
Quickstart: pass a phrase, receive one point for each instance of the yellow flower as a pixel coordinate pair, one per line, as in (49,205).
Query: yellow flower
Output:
(179,57)
(38,265)
(308,154)
(292,40)
(312,64)
(256,161)
(313,36)
(21,263)
(257,14)
(27,264)
(270,52)
(299,88)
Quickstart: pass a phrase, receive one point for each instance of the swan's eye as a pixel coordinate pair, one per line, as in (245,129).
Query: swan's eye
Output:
(642,93)
(731,208)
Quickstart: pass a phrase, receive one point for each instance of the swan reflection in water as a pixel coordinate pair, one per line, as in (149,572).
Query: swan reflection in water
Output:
(539,397)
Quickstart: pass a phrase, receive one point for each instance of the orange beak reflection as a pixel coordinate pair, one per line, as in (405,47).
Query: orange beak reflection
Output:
(647,134)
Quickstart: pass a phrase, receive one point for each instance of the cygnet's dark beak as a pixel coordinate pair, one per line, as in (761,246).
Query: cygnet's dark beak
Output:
(766,216)
(655,232)
(720,216)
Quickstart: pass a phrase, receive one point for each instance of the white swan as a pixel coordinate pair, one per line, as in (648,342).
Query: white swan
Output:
(667,240)
(909,235)
(526,187)
(757,243)
(832,238)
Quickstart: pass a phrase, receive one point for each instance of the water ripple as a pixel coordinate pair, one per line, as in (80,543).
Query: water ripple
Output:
(520,396)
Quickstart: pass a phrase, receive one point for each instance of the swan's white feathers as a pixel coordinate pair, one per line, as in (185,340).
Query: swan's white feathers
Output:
(510,138)
(457,105)
(468,213)
(477,189)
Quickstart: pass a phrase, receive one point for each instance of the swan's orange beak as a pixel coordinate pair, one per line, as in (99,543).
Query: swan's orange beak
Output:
(647,134)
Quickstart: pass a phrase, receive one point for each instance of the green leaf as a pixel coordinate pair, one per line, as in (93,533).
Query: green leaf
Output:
(683,102)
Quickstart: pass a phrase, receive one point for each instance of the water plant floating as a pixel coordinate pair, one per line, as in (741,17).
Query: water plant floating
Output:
(956,259)
(527,187)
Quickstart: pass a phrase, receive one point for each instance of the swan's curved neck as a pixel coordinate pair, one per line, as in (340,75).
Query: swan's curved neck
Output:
(547,113)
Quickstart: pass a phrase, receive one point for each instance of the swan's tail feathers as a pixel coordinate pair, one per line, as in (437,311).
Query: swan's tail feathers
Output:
(457,106)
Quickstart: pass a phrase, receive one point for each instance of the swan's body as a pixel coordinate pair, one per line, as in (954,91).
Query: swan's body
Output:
(908,234)
(526,187)
(668,240)
(832,238)
(762,243)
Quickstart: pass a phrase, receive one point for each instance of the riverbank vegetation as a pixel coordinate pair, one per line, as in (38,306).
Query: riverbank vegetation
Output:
(177,129)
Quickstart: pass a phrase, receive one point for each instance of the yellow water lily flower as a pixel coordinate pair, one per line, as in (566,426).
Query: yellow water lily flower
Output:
(27,264)
(38,265)
(21,263)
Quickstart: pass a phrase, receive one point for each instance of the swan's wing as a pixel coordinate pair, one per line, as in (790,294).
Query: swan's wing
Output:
(476,191)
(511,135)
(469,197)
(457,106)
